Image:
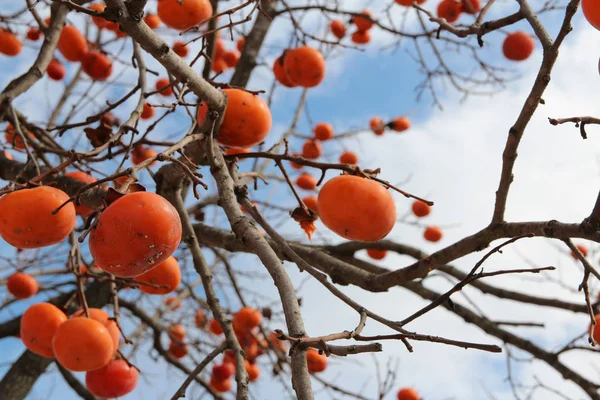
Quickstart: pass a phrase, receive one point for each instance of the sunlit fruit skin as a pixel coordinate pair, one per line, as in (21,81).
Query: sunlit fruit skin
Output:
(312,149)
(115,379)
(180,49)
(307,182)
(337,28)
(240,44)
(357,208)
(311,203)
(97,65)
(235,150)
(400,124)
(178,350)
(152,20)
(26,220)
(135,234)
(174,303)
(231,58)
(142,153)
(38,326)
(183,15)
(110,325)
(408,3)
(10,45)
(166,274)
(408,394)
(82,344)
(361,37)
(279,72)
(56,70)
(518,46)
(176,332)
(33,34)
(323,131)
(84,211)
(316,362)
(304,66)
(247,120)
(420,209)
(221,386)
(594,330)
(252,370)
(214,327)
(219,66)
(591,11)
(72,44)
(13,138)
(376,254)
(433,234)
(163,85)
(471,6)
(22,286)
(377,126)
(223,371)
(450,10)
(147,111)
(246,319)
(349,157)
(200,319)
(364,23)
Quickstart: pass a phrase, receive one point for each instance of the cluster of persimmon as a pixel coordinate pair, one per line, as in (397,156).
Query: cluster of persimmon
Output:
(363,22)
(451,10)
(303,66)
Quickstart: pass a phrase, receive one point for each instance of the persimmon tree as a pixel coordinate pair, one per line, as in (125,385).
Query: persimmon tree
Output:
(131,212)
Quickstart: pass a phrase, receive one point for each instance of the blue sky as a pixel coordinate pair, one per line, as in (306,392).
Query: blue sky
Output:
(452,157)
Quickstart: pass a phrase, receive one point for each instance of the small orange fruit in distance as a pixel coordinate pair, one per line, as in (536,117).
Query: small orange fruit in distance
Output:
(304,66)
(134,234)
(10,45)
(306,181)
(97,65)
(178,350)
(72,44)
(231,151)
(21,285)
(591,11)
(84,211)
(316,362)
(361,37)
(364,21)
(312,149)
(420,209)
(38,325)
(376,254)
(13,138)
(337,28)
(408,3)
(152,20)
(433,234)
(174,303)
(296,165)
(214,327)
(377,126)
(246,319)
(221,386)
(323,131)
(26,219)
(583,249)
(202,111)
(219,50)
(102,317)
(279,72)
(450,10)
(200,319)
(163,85)
(100,22)
(349,157)
(56,70)
(471,6)
(223,371)
(408,394)
(247,120)
(180,49)
(240,44)
(82,344)
(231,58)
(518,46)
(183,15)
(400,124)
(166,274)
(252,370)
(311,203)
(594,330)
(33,34)
(176,332)
(357,208)
(141,153)
(115,379)
(148,111)
(219,66)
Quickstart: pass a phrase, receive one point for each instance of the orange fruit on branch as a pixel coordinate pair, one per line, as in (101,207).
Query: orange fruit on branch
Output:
(349,157)
(247,120)
(97,65)
(450,10)
(166,274)
(591,11)
(376,254)
(364,21)
(518,46)
(408,394)
(312,149)
(115,379)
(10,45)
(361,37)
(304,66)
(82,344)
(280,74)
(38,326)
(316,362)
(337,28)
(178,350)
(420,209)
(152,20)
(433,234)
(306,181)
(21,285)
(56,70)
(84,211)
(72,44)
(246,319)
(182,15)
(147,111)
(102,317)
(323,131)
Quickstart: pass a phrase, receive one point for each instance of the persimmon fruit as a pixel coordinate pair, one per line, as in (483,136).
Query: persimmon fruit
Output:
(148,111)
(176,332)
(280,74)
(312,149)
(246,319)
(221,386)
(200,319)
(214,327)
(433,234)
(420,209)
(311,203)
(178,350)
(181,15)
(10,45)
(163,86)
(337,28)
(22,285)
(361,37)
(349,157)
(223,371)
(180,49)
(363,21)
(231,58)
(376,254)
(400,124)
(306,181)
(304,66)
(97,66)
(82,344)
(72,44)
(167,274)
(316,362)
(38,326)
(591,11)
(110,325)
(115,379)
(152,20)
(450,10)
(247,120)
(408,394)
(518,46)
(323,131)
(84,211)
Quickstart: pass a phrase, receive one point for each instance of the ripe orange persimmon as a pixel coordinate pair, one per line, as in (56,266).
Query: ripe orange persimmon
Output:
(174,303)
(377,126)
(471,6)
(364,21)
(152,20)
(115,379)
(178,350)
(311,203)
(276,342)
(312,149)
(100,22)
(348,157)
(56,70)
(449,10)
(214,327)
(202,111)
(246,319)
(13,138)
(323,131)
(38,326)
(518,46)
(252,370)
(221,386)
(316,362)
(304,66)
(200,319)
(167,274)
(583,249)
(219,50)
(400,124)
(10,45)
(21,285)
(408,394)
(163,85)
(223,371)
(247,120)
(408,3)
(180,48)
(357,208)
(185,14)
(234,150)
(433,234)
(219,65)
(84,211)
(337,28)
(296,165)
(377,254)
(176,332)
(141,153)
(33,34)
(72,44)
(110,325)
(82,344)
(361,37)
(306,181)
(591,11)
(97,65)
(148,111)
(420,209)
(26,219)
(279,72)
(134,234)
(231,58)
(240,44)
